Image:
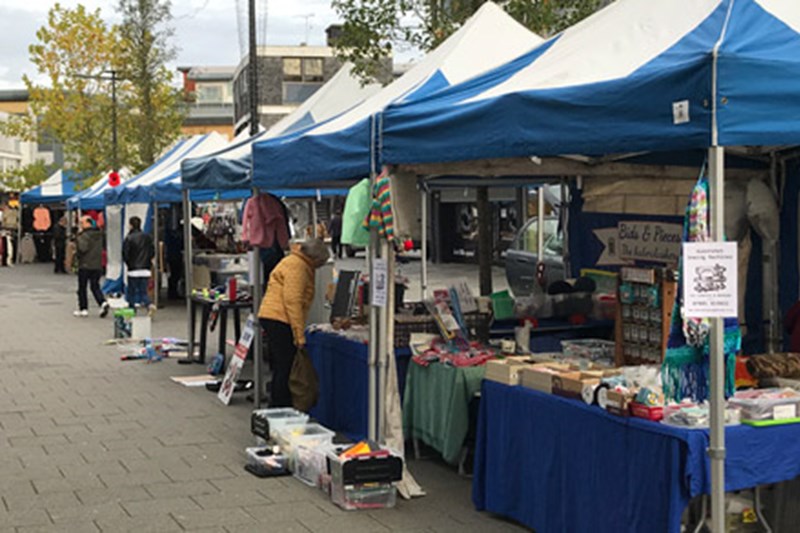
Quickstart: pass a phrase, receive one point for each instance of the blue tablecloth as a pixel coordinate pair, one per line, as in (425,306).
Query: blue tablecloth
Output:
(557,465)
(342,366)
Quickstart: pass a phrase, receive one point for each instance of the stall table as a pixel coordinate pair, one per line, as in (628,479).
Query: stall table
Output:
(556,464)
(343,368)
(205,305)
(436,405)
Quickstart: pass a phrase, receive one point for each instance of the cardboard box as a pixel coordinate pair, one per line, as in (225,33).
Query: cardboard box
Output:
(540,377)
(572,385)
(506,370)
(618,403)
(648,412)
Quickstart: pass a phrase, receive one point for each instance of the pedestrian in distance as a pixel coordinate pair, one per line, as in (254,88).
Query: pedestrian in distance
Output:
(284,311)
(137,253)
(60,246)
(90,267)
(335,231)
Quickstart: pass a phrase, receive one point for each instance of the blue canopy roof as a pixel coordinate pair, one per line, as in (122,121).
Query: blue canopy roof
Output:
(56,189)
(340,148)
(639,75)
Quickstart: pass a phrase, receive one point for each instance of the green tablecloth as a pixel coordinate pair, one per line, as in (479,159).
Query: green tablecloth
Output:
(436,405)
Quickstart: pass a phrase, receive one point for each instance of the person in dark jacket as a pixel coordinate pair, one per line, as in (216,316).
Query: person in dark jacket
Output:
(89,249)
(137,253)
(60,245)
(335,231)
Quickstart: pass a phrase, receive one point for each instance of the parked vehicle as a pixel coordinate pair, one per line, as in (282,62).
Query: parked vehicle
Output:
(522,260)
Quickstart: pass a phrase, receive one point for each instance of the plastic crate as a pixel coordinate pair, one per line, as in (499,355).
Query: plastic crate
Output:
(381,466)
(368,496)
(308,435)
(265,462)
(278,418)
(310,463)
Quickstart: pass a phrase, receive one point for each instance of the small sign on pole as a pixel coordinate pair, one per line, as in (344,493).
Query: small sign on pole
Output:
(710,280)
(379,286)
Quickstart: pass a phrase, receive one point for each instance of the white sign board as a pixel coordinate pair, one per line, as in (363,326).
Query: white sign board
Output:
(237,362)
(710,279)
(654,242)
(379,286)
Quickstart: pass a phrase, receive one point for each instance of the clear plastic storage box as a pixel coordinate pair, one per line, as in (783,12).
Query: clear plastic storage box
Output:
(367,496)
(280,417)
(308,435)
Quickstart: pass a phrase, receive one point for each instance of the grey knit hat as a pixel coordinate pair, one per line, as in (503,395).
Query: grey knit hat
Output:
(316,250)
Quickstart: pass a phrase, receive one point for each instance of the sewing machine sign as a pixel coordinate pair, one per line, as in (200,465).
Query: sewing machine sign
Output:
(710,279)
(654,242)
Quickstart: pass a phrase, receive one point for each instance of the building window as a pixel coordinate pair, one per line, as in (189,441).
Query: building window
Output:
(292,69)
(307,69)
(209,94)
(298,92)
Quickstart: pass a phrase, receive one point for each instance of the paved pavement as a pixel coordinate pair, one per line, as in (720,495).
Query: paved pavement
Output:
(90,443)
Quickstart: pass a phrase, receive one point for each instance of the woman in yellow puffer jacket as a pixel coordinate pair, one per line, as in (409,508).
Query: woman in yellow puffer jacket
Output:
(284,311)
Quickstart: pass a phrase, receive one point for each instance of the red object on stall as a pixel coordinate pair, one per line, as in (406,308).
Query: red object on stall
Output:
(113,179)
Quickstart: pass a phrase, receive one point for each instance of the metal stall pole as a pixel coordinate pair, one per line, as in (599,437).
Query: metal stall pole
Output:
(372,250)
(716,450)
(314,218)
(258,290)
(187,273)
(564,216)
(157,263)
(19,232)
(424,260)
(540,223)
(386,347)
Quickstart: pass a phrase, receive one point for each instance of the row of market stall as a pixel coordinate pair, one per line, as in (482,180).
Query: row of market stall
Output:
(641,94)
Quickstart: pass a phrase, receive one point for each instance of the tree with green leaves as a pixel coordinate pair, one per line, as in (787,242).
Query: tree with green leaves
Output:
(23,178)
(144,52)
(373,28)
(74,52)
(72,49)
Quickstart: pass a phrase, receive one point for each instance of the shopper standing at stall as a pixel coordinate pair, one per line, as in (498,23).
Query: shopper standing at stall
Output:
(90,267)
(137,253)
(284,311)
(60,245)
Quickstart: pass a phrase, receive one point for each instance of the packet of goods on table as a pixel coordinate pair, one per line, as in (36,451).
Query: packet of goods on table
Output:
(767,404)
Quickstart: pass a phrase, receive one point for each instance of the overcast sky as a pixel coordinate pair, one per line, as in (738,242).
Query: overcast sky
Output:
(206,31)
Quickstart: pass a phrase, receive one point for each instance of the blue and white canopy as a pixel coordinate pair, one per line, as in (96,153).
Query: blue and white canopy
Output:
(59,187)
(230,168)
(93,197)
(340,148)
(139,189)
(639,75)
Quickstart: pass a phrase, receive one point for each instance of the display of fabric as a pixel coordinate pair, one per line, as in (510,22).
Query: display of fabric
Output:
(265,222)
(41,219)
(381,214)
(356,209)
(685,372)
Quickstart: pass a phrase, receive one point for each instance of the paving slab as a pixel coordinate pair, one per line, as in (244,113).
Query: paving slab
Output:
(90,443)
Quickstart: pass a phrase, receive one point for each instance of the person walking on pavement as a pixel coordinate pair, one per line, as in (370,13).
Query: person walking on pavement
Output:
(60,245)
(137,253)
(90,267)
(335,231)
(284,311)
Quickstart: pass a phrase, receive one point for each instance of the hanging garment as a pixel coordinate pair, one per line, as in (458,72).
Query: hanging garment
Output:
(10,218)
(381,214)
(265,221)
(41,219)
(27,250)
(356,208)
(685,372)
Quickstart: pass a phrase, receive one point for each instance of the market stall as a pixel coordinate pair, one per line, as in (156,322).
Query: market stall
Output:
(602,87)
(341,149)
(40,209)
